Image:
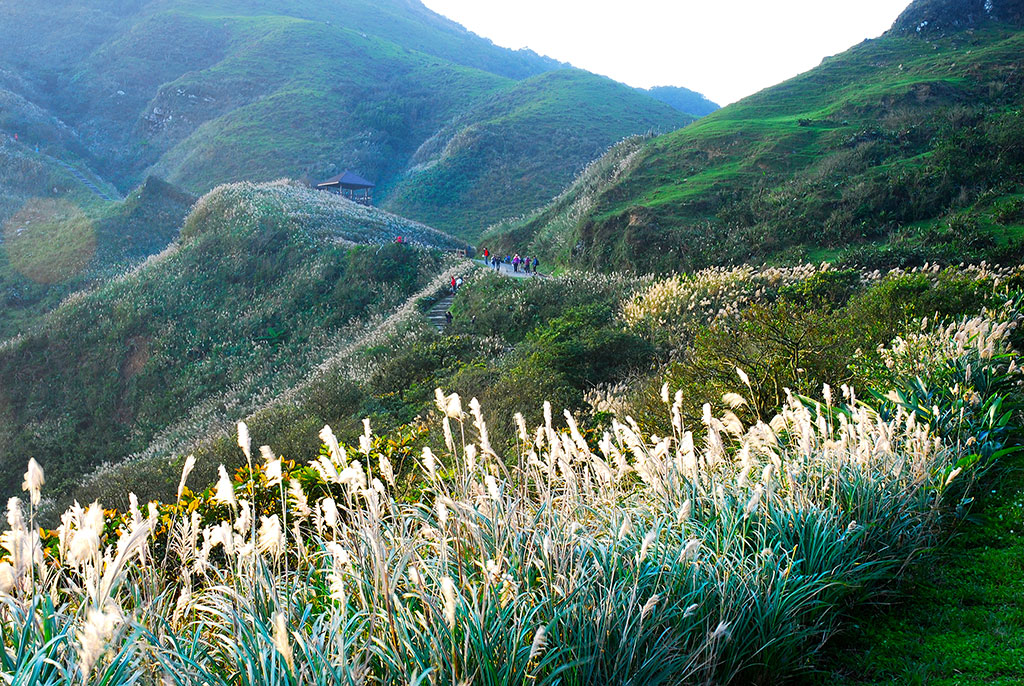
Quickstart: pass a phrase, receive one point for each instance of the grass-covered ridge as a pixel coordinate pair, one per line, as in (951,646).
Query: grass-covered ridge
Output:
(265,282)
(722,555)
(902,149)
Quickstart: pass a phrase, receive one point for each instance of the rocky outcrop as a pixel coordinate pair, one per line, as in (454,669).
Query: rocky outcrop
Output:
(927,17)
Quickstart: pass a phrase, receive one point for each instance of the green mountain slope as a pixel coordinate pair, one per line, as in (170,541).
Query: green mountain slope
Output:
(908,148)
(526,143)
(203,93)
(265,282)
(55,244)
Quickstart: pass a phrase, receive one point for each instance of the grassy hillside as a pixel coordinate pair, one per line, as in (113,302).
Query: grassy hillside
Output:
(647,514)
(53,246)
(264,282)
(902,149)
(203,93)
(525,143)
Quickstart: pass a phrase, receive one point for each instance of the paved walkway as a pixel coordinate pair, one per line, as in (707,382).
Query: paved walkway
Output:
(506,270)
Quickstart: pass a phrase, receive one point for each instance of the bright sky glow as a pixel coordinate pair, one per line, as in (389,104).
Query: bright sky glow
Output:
(725,49)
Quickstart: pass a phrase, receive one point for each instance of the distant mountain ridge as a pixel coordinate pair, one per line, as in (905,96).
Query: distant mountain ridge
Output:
(214,91)
(684,100)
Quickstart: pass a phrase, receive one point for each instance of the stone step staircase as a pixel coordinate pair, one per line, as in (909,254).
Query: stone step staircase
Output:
(85,181)
(436,313)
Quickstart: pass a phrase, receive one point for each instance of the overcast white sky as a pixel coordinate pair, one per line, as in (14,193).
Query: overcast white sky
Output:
(725,49)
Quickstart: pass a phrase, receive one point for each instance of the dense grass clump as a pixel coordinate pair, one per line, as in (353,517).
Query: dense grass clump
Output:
(674,559)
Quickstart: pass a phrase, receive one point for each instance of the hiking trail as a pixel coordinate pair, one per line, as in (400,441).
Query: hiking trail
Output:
(84,180)
(436,313)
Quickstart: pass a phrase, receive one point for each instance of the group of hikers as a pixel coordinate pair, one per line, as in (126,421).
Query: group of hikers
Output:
(526,265)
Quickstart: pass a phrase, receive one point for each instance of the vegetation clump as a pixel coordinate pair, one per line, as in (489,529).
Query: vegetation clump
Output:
(634,559)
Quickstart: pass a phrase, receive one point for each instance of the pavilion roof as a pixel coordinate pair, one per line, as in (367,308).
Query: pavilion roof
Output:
(347,179)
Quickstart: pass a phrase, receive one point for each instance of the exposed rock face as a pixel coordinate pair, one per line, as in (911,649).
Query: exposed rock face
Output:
(936,16)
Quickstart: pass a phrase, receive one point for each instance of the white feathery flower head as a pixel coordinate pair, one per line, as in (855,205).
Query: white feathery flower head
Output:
(734,400)
(244,441)
(721,631)
(224,492)
(273,472)
(281,641)
(271,536)
(387,470)
(8,579)
(190,464)
(85,547)
(649,606)
(448,593)
(93,638)
(366,440)
(646,545)
(690,549)
(331,441)
(453,406)
(540,639)
(429,462)
(626,528)
(685,511)
(244,520)
(15,516)
(952,475)
(492,488)
(300,504)
(34,481)
(442,512)
(330,510)
(754,501)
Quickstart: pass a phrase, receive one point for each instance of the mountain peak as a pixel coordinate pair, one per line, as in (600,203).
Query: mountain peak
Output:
(931,16)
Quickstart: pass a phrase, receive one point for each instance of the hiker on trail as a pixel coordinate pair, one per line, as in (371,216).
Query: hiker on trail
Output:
(535,263)
(448,318)
(496,263)
(453,284)
(486,254)
(515,263)
(458,284)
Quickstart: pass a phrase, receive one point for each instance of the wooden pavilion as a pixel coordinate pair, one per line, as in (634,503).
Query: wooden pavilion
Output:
(350,185)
